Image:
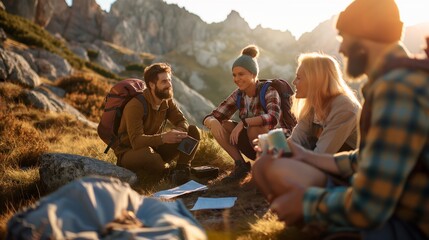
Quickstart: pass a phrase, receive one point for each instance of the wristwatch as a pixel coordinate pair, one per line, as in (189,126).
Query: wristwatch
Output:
(245,125)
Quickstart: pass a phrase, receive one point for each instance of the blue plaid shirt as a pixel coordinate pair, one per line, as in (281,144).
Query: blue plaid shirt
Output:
(390,170)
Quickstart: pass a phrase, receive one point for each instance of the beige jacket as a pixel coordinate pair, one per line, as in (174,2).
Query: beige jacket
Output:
(338,131)
(136,131)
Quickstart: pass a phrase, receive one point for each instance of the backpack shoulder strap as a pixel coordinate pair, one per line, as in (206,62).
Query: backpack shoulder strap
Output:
(403,62)
(262,93)
(141,98)
(238,102)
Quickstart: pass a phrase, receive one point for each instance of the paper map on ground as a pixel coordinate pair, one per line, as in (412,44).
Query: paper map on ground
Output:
(188,187)
(214,203)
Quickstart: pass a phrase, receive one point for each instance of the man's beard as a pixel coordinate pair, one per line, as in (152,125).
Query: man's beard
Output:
(357,60)
(164,94)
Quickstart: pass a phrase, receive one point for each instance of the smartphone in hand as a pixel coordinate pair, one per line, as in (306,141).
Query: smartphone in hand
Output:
(187,145)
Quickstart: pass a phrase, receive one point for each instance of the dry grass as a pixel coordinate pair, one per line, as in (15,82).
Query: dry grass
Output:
(86,93)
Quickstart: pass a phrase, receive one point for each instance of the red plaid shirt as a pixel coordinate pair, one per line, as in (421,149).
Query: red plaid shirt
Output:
(228,107)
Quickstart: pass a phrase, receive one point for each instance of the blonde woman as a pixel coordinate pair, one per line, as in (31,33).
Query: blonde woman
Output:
(326,107)
(327,112)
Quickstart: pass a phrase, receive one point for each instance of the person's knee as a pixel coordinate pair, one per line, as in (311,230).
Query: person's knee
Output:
(253,132)
(194,132)
(143,159)
(228,125)
(302,173)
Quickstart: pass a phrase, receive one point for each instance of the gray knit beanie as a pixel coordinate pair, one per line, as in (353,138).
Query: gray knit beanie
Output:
(248,59)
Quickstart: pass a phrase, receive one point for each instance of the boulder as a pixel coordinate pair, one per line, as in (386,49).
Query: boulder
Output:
(46,69)
(56,90)
(58,169)
(23,8)
(193,105)
(43,98)
(78,50)
(3,35)
(44,11)
(50,65)
(106,62)
(14,68)
(120,55)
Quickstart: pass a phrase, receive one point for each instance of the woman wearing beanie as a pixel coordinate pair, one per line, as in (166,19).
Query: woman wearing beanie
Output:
(326,107)
(236,137)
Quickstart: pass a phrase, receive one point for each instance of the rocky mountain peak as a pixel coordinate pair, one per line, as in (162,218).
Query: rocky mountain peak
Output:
(235,21)
(86,8)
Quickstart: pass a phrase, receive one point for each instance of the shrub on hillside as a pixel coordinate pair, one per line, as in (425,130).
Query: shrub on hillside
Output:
(92,54)
(85,84)
(85,93)
(21,143)
(9,91)
(135,67)
(89,105)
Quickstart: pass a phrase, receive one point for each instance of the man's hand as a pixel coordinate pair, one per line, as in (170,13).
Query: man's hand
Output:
(173,136)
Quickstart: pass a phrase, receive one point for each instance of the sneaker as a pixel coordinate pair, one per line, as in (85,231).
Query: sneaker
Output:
(241,170)
(180,176)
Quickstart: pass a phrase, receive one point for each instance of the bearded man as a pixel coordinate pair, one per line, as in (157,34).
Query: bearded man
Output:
(144,143)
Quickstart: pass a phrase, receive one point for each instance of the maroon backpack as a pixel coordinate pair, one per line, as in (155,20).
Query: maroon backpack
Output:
(285,92)
(119,95)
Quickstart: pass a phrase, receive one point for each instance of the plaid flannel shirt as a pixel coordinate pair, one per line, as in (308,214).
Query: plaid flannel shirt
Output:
(228,107)
(390,170)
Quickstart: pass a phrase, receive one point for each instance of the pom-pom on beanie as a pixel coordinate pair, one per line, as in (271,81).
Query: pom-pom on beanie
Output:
(376,20)
(248,59)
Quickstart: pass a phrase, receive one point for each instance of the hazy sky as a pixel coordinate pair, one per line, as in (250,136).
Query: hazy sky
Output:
(297,16)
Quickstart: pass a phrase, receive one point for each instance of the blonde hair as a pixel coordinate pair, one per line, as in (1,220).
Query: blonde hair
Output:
(325,82)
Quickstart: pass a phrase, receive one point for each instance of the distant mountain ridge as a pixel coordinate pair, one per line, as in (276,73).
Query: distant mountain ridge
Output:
(201,53)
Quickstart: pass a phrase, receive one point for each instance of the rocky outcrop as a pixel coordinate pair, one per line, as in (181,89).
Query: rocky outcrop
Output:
(43,98)
(44,63)
(234,22)
(38,11)
(58,169)
(321,39)
(121,55)
(161,27)
(47,64)
(83,21)
(193,104)
(104,56)
(24,8)
(14,68)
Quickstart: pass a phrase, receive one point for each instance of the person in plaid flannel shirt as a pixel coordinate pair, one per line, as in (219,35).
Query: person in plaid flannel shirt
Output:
(236,137)
(387,196)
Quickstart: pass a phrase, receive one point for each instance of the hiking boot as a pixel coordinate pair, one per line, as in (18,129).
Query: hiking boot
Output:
(180,175)
(241,170)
